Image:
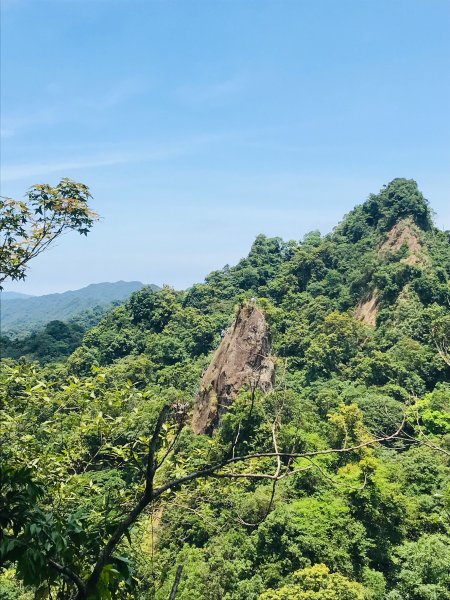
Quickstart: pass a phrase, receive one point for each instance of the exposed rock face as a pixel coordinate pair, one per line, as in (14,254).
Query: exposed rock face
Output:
(403,232)
(242,359)
(367,310)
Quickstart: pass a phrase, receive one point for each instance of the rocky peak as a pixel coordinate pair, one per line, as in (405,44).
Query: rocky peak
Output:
(399,200)
(241,360)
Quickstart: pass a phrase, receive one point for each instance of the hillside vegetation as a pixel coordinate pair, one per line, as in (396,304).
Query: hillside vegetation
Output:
(20,316)
(56,340)
(346,494)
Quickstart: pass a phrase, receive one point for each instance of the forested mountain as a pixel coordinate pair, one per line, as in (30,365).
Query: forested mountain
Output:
(317,464)
(56,340)
(20,316)
(15,296)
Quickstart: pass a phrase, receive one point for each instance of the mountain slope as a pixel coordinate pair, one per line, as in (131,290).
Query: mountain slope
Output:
(334,478)
(385,259)
(19,316)
(15,296)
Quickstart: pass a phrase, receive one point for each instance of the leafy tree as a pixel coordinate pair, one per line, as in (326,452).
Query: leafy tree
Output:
(317,583)
(423,569)
(29,227)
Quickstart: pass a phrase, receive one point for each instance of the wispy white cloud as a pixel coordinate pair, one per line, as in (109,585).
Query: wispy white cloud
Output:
(108,157)
(111,97)
(207,92)
(21,121)
(61,108)
(16,172)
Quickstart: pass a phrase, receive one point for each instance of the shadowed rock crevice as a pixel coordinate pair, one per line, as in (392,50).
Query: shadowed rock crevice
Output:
(241,360)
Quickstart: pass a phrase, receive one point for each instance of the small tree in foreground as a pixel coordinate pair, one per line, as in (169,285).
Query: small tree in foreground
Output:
(28,227)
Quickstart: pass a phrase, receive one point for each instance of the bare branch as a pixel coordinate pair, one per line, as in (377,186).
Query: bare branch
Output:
(422,442)
(70,575)
(176,582)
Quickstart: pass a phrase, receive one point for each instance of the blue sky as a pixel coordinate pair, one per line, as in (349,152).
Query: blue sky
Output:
(199,124)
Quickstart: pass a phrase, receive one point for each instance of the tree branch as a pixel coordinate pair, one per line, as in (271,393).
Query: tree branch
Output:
(132,516)
(150,493)
(70,575)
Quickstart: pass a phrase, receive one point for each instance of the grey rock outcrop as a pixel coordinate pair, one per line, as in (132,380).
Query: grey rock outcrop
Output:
(241,360)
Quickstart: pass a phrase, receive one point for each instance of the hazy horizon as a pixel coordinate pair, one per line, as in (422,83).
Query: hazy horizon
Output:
(93,283)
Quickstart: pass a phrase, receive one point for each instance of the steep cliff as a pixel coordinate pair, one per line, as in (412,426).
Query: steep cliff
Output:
(241,360)
(405,232)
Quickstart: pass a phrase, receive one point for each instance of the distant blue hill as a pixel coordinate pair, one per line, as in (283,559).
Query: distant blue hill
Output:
(20,315)
(15,296)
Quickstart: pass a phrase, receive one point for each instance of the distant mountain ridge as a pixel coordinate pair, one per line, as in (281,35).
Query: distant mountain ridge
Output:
(15,296)
(20,315)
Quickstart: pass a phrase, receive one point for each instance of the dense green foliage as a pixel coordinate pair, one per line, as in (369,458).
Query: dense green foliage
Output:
(54,341)
(371,523)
